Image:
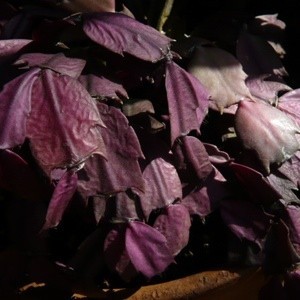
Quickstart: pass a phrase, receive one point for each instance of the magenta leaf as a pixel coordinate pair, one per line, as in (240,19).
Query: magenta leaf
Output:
(17,176)
(221,74)
(267,131)
(102,87)
(120,171)
(64,124)
(246,220)
(60,200)
(291,168)
(15,107)
(187,101)
(147,249)
(55,62)
(120,33)
(174,223)
(115,254)
(216,156)
(162,185)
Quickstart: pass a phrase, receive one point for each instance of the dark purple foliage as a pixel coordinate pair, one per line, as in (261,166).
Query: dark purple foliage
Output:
(187,101)
(122,34)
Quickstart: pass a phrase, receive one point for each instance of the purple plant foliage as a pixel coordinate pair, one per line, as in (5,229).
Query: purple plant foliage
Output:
(265,89)
(246,220)
(187,101)
(102,87)
(192,158)
(174,223)
(221,74)
(10,47)
(62,195)
(203,199)
(275,131)
(115,254)
(215,155)
(122,34)
(147,249)
(162,185)
(120,170)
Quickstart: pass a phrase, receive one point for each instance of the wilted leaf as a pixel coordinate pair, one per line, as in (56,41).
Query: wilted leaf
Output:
(187,101)
(120,33)
(221,74)
(147,249)
(174,223)
(267,131)
(60,200)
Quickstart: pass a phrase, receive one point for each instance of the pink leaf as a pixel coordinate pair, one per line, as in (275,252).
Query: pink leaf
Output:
(187,101)
(60,200)
(120,33)
(147,249)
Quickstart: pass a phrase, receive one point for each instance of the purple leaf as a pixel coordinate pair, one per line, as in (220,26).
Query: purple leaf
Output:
(193,158)
(187,101)
(102,87)
(75,6)
(204,199)
(60,200)
(258,57)
(120,171)
(216,156)
(267,131)
(174,223)
(64,124)
(265,89)
(11,47)
(115,254)
(17,176)
(147,249)
(290,104)
(246,220)
(162,185)
(221,74)
(15,107)
(264,193)
(55,62)
(291,168)
(120,33)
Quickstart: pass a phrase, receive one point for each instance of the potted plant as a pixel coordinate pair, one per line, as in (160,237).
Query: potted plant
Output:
(129,158)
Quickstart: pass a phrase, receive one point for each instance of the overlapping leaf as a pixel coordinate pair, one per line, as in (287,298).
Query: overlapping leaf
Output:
(11,47)
(221,74)
(267,131)
(120,170)
(162,185)
(61,198)
(174,223)
(187,101)
(120,33)
(147,249)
